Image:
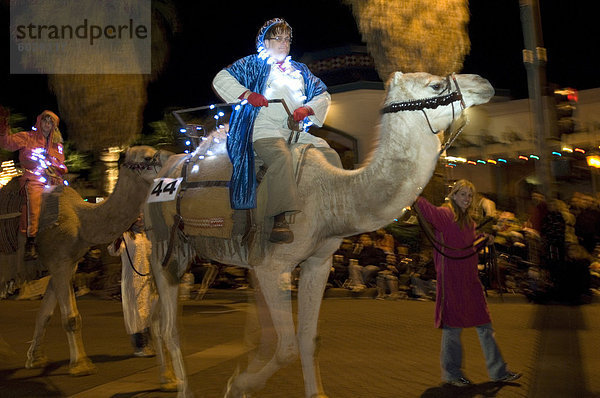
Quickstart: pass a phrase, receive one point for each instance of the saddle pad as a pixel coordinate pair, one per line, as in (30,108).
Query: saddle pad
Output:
(206,212)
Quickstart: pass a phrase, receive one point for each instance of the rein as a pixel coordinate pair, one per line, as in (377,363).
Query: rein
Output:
(131,262)
(433,103)
(438,246)
(146,164)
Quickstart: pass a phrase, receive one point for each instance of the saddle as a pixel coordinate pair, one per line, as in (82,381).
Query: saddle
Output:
(203,202)
(11,203)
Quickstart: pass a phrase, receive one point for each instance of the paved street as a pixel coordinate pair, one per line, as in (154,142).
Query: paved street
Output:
(370,348)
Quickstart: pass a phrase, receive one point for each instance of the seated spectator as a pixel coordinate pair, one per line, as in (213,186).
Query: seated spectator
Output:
(423,280)
(384,241)
(509,237)
(367,261)
(387,281)
(339,273)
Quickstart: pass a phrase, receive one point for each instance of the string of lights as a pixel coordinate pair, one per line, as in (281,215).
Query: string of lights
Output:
(454,161)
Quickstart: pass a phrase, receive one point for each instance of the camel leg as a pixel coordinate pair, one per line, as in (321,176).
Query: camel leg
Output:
(80,364)
(35,354)
(279,305)
(313,279)
(266,344)
(168,382)
(168,292)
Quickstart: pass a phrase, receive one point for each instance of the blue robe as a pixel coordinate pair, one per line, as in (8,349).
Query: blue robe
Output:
(252,72)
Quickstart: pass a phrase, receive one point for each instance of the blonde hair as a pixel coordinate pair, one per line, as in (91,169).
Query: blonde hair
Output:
(56,135)
(462,218)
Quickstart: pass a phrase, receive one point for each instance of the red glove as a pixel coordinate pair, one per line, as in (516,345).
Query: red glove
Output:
(256,99)
(302,112)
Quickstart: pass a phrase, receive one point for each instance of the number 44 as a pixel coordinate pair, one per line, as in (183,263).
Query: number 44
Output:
(169,187)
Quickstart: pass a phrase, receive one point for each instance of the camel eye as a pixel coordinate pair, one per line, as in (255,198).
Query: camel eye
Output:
(147,158)
(436,86)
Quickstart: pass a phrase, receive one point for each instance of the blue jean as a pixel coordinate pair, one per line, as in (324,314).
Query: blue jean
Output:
(451,355)
(362,275)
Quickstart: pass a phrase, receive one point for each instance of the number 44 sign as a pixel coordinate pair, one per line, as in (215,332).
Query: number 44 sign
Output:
(164,189)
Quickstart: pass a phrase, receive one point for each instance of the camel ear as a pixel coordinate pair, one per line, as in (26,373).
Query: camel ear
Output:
(395,79)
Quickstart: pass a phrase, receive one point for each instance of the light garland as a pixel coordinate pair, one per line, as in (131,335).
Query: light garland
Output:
(454,161)
(38,155)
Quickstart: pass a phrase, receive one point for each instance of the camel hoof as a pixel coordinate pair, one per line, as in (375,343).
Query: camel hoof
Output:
(85,367)
(37,362)
(168,386)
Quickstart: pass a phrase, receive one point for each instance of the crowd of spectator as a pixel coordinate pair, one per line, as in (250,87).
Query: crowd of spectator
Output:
(551,253)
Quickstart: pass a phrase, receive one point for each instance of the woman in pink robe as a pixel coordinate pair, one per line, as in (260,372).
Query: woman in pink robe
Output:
(460,300)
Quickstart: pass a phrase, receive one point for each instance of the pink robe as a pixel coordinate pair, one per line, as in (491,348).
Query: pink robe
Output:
(27,142)
(460,300)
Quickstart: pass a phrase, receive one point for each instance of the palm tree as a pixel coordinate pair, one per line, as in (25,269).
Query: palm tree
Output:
(104,111)
(414,35)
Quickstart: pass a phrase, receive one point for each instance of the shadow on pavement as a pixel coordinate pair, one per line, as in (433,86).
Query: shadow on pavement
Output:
(140,393)
(31,389)
(488,389)
(47,370)
(109,358)
(6,375)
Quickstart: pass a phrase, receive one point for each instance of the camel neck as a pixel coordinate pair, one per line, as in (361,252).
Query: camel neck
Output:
(118,212)
(396,173)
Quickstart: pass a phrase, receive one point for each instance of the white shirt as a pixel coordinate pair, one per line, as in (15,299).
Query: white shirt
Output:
(271,121)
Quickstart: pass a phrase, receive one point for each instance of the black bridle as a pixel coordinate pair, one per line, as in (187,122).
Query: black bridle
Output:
(154,162)
(433,103)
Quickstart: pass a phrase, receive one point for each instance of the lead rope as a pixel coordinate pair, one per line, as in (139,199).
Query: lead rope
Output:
(131,262)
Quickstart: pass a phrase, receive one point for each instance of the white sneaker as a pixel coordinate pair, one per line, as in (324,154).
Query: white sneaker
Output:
(358,288)
(145,352)
(460,382)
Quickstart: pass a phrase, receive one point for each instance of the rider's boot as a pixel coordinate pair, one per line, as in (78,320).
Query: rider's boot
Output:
(30,249)
(281,232)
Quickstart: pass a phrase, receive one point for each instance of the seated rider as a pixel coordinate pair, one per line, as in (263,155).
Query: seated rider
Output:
(42,158)
(257,127)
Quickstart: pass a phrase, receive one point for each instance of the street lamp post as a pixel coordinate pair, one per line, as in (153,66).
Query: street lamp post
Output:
(534,58)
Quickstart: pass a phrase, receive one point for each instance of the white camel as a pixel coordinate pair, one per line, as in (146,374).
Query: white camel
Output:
(79,226)
(337,203)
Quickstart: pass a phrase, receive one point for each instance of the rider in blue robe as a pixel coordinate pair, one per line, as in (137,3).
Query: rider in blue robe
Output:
(257,78)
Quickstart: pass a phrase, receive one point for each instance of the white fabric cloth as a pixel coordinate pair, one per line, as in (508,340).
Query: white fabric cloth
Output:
(137,292)
(271,121)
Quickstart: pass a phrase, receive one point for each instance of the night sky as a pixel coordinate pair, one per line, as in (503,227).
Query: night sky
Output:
(212,37)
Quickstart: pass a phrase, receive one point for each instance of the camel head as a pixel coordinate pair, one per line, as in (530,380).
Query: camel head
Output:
(144,160)
(439,97)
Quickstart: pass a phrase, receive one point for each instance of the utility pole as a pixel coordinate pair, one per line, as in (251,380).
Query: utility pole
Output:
(534,58)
